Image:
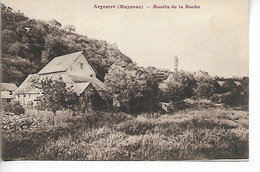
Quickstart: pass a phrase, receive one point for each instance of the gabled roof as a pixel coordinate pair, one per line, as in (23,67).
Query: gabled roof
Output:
(238,83)
(90,63)
(8,87)
(221,83)
(93,80)
(28,85)
(80,87)
(99,86)
(62,63)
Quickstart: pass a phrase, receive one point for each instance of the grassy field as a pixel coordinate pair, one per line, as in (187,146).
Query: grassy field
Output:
(209,133)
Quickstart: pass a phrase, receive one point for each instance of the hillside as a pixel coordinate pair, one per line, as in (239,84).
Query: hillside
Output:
(28,44)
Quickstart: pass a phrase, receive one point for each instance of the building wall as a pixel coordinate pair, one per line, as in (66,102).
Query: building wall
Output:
(7,96)
(81,68)
(90,100)
(27,99)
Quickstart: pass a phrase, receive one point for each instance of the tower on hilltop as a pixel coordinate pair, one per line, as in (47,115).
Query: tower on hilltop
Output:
(175,63)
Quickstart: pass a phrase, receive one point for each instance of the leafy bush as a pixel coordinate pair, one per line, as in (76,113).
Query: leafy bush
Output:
(13,107)
(23,135)
(177,86)
(230,98)
(228,86)
(56,95)
(22,144)
(124,83)
(17,122)
(204,90)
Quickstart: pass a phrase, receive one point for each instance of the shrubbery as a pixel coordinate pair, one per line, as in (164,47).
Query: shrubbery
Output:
(204,90)
(178,86)
(233,94)
(13,107)
(23,134)
(231,99)
(10,122)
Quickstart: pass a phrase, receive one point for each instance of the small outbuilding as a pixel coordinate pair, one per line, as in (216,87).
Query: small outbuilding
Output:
(7,92)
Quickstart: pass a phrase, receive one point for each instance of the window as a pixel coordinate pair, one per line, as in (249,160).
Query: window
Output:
(81,65)
(10,92)
(24,95)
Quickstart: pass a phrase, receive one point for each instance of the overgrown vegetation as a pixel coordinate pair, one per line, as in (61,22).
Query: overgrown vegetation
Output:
(12,107)
(56,95)
(213,133)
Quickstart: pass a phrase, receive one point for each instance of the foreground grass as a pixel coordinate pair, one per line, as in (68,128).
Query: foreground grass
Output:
(205,134)
(187,135)
(23,135)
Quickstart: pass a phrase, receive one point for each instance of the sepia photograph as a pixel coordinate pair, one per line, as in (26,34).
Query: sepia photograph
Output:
(125,80)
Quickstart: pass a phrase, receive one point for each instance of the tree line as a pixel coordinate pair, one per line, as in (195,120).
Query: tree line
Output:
(142,89)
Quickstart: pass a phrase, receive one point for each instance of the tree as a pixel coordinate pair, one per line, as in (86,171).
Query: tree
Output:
(153,77)
(204,90)
(54,46)
(70,28)
(125,83)
(229,86)
(56,96)
(187,80)
(245,91)
(15,48)
(171,90)
(205,86)
(177,86)
(16,69)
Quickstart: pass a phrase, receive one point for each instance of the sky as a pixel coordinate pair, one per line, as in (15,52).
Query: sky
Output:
(213,38)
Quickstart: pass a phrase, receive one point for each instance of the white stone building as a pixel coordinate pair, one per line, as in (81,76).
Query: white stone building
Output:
(7,92)
(74,69)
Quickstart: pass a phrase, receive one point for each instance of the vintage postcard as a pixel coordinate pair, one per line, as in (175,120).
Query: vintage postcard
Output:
(124,80)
